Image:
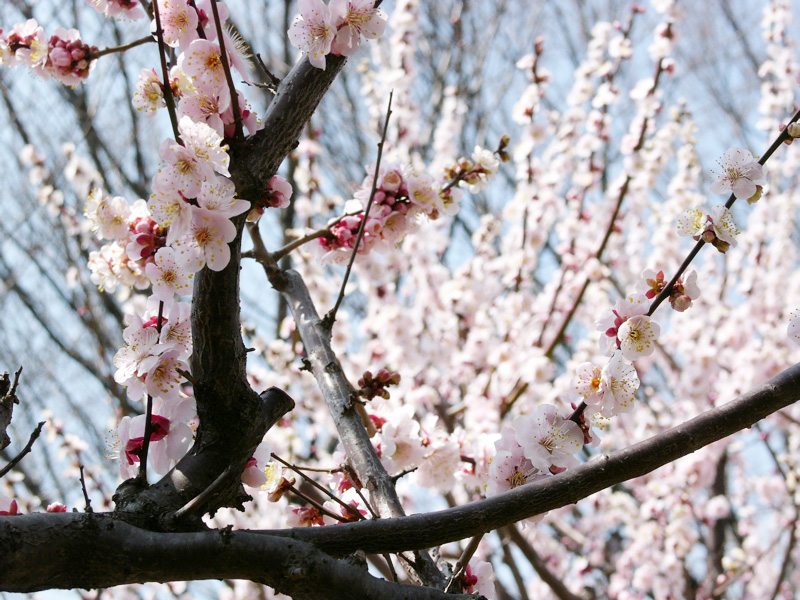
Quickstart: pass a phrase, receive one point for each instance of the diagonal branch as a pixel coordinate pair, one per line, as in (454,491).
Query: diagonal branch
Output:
(66,549)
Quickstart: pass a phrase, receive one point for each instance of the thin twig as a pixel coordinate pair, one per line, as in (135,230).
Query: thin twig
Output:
(148,421)
(315,504)
(274,81)
(357,489)
(88,508)
(330,318)
(24,451)
(123,48)
(169,99)
(461,565)
(324,232)
(186,375)
(198,501)
(322,489)
(784,135)
(237,115)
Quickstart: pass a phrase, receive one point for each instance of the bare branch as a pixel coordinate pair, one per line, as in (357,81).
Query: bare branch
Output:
(67,550)
(13,462)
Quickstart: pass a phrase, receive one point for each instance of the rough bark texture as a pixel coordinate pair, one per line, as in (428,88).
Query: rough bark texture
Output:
(233,418)
(96,551)
(337,393)
(75,550)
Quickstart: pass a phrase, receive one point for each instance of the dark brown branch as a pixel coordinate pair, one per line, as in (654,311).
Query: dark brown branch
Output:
(66,550)
(432,529)
(74,550)
(233,418)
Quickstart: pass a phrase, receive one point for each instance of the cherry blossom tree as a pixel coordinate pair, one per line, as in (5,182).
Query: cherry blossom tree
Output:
(371,299)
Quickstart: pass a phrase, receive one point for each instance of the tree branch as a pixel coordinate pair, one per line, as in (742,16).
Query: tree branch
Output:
(73,550)
(233,418)
(99,551)
(336,391)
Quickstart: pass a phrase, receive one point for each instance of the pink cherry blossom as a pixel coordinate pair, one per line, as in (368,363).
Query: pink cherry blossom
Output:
(8,507)
(206,243)
(637,337)
(587,383)
(136,357)
(27,45)
(178,22)
(129,9)
(205,103)
(740,174)
(354,18)
(112,214)
(619,383)
(163,379)
(69,58)
(202,62)
(610,323)
(167,277)
(549,440)
(254,474)
(479,579)
(510,468)
(684,291)
(218,194)
(148,95)
(313,31)
(176,328)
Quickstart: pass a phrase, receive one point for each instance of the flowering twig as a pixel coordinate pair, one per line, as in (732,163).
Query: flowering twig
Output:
(148,425)
(610,229)
(123,48)
(324,232)
(322,489)
(329,318)
(463,560)
(169,99)
(237,115)
(782,137)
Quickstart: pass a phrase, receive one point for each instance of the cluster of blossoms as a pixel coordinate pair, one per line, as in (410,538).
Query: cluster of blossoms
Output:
(198,79)
(134,238)
(742,176)
(186,225)
(402,197)
(535,446)
(717,228)
(373,386)
(154,361)
(63,56)
(682,293)
(474,175)
(337,28)
(627,332)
